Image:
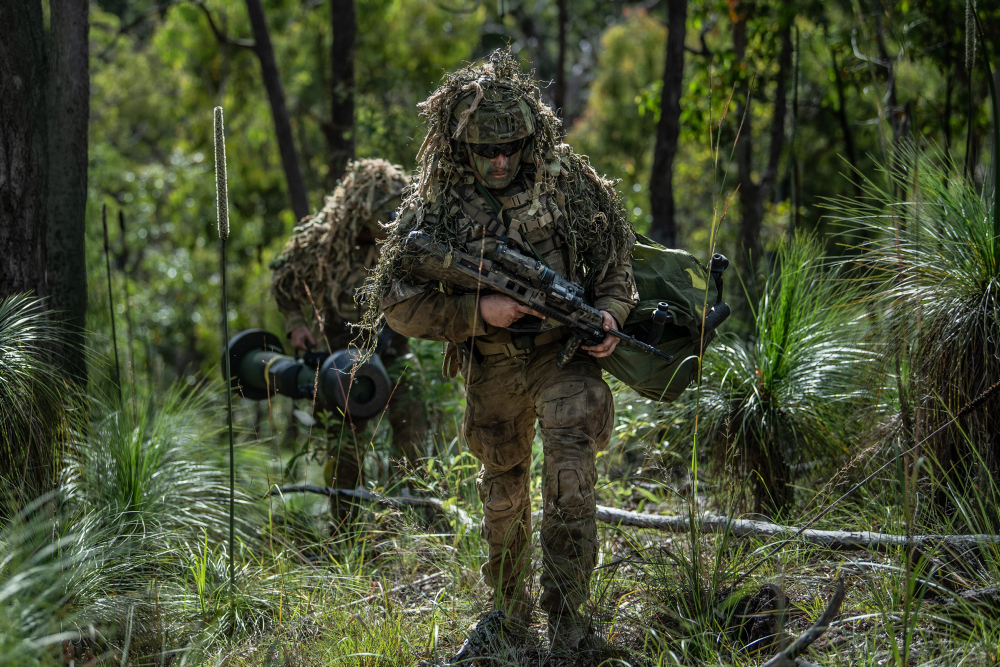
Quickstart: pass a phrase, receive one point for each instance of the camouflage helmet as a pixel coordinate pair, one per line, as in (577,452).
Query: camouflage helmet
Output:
(491,114)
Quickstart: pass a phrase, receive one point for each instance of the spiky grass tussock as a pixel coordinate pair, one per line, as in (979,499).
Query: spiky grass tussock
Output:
(783,396)
(138,492)
(33,400)
(934,267)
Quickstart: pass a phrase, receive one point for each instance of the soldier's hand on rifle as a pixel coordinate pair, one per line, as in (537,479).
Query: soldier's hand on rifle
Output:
(607,346)
(301,335)
(499,310)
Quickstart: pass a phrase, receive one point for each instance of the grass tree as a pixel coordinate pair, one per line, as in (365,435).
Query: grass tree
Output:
(935,264)
(783,396)
(33,393)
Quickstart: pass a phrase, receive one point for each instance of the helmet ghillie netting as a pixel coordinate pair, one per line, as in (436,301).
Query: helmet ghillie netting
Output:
(321,251)
(597,229)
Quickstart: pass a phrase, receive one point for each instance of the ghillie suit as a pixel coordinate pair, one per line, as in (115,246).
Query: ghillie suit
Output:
(600,234)
(555,207)
(332,251)
(331,254)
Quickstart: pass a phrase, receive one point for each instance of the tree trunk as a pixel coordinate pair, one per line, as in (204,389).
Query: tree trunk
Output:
(559,98)
(749,234)
(752,193)
(340,133)
(661,186)
(282,123)
(845,125)
(22,149)
(68,113)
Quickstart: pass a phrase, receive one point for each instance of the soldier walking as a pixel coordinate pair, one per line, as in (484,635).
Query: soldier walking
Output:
(492,168)
(331,254)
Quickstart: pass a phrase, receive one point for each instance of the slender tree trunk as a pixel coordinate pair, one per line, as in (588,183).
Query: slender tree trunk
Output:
(897,116)
(22,149)
(282,123)
(751,203)
(560,93)
(68,113)
(340,133)
(845,125)
(753,194)
(661,186)
(793,148)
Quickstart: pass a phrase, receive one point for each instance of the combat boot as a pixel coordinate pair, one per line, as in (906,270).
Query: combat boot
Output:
(567,633)
(518,605)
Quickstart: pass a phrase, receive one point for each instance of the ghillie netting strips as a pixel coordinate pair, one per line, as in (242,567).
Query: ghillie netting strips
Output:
(321,252)
(597,232)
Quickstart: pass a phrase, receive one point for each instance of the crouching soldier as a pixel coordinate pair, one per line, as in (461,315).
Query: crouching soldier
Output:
(319,270)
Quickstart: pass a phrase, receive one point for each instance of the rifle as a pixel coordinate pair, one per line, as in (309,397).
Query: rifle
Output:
(528,281)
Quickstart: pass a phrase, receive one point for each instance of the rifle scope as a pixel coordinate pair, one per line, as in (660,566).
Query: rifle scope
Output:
(261,369)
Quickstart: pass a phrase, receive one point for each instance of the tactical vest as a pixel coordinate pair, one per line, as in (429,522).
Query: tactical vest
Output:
(536,229)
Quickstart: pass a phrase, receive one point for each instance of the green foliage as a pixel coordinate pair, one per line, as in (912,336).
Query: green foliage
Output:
(33,401)
(615,131)
(934,265)
(33,567)
(785,396)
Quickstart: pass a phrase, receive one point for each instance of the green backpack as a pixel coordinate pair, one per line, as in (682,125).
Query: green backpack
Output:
(674,288)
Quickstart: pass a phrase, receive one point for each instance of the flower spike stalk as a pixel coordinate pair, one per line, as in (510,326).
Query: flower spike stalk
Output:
(222,211)
(111,303)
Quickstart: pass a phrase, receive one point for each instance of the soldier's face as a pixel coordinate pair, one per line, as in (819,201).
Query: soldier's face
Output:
(495,172)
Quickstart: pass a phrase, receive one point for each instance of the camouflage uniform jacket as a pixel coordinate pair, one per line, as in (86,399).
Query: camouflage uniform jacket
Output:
(442,312)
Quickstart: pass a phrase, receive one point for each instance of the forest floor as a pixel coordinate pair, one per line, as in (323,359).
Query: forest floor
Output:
(401,585)
(657,599)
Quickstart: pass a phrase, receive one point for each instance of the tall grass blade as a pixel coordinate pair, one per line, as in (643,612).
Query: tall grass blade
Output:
(128,316)
(996,128)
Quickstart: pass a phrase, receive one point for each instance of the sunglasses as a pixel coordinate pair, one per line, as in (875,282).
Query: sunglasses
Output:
(490,151)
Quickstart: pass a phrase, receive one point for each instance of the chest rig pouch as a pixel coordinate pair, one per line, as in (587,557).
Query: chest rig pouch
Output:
(534,228)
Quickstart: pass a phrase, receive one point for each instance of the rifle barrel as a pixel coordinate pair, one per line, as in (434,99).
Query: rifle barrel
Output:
(635,342)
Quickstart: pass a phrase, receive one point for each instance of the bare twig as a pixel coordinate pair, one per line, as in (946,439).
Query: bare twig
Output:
(222,37)
(788,657)
(709,523)
(371,497)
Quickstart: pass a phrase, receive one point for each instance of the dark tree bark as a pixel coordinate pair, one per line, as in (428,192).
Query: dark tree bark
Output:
(845,124)
(661,186)
(282,122)
(340,131)
(753,194)
(559,98)
(68,116)
(22,149)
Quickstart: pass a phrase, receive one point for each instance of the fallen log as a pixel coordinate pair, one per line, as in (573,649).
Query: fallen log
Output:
(832,539)
(706,523)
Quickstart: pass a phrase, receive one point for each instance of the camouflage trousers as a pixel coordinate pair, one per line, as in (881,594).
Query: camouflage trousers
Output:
(574,411)
(405,414)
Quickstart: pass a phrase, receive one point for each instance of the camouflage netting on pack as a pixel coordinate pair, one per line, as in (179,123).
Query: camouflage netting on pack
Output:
(320,252)
(598,231)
